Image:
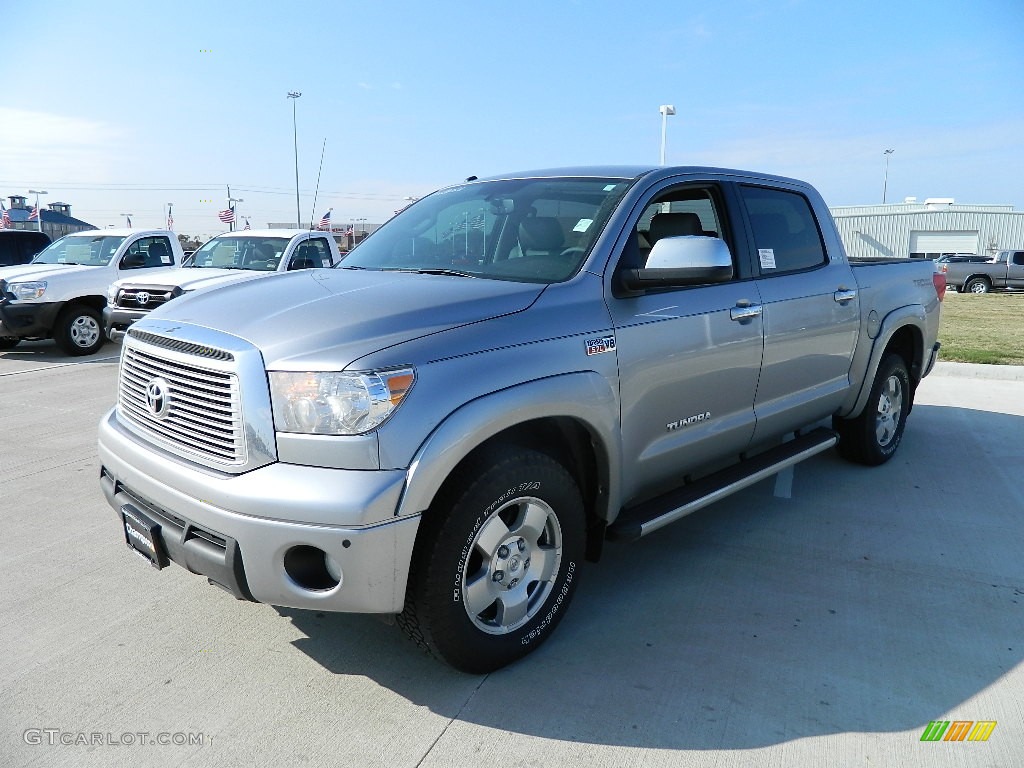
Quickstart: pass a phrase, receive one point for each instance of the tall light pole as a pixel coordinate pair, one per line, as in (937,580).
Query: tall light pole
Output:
(39,213)
(666,110)
(294,96)
(885,179)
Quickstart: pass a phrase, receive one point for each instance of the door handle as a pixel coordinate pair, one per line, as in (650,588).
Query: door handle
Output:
(844,295)
(744,311)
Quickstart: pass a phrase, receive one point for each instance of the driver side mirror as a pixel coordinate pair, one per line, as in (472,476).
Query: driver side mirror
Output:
(682,261)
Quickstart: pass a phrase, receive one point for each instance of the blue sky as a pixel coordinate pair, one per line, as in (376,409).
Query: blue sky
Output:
(121,107)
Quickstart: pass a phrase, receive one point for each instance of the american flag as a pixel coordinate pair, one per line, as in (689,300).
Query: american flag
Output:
(325,222)
(34,215)
(5,219)
(227,215)
(170,222)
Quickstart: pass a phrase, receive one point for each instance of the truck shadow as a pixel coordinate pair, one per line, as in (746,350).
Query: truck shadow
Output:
(867,600)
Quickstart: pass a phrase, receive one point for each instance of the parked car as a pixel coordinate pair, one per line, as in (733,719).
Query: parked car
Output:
(18,246)
(504,375)
(229,257)
(62,292)
(1006,270)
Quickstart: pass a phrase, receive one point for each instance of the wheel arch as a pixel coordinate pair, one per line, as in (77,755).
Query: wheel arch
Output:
(901,332)
(573,418)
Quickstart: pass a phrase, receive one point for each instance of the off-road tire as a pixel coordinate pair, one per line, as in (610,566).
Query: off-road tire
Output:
(873,437)
(496,561)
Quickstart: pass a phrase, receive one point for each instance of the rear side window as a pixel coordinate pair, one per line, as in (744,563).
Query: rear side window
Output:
(786,235)
(1018,258)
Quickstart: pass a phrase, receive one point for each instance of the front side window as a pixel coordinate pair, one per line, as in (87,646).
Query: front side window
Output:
(526,230)
(311,253)
(786,236)
(148,252)
(90,251)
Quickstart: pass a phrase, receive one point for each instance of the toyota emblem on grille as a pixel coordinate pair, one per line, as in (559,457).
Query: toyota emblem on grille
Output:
(158,397)
(142,298)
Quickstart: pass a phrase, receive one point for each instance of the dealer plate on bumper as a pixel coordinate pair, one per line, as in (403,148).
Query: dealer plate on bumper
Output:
(142,534)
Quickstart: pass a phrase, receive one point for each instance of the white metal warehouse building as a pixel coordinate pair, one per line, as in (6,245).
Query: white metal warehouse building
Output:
(929,229)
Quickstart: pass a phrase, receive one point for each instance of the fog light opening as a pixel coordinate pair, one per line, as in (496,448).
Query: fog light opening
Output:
(311,568)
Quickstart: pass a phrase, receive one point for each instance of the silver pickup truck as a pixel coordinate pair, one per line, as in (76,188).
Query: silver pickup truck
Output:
(1006,270)
(507,374)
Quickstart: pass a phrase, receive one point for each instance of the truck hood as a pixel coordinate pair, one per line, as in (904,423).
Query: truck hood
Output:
(325,319)
(42,271)
(192,278)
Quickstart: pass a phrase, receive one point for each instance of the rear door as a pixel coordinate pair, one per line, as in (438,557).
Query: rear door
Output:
(811,312)
(688,361)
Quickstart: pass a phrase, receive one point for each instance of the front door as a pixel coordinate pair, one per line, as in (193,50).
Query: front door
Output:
(687,369)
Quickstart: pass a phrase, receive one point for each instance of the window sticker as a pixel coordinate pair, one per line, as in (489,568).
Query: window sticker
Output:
(767,257)
(610,187)
(582,225)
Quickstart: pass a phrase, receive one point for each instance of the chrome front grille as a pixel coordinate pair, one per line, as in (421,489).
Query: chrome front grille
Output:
(143,297)
(202,418)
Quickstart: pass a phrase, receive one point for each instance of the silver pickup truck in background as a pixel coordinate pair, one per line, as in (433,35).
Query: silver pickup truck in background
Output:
(507,374)
(1006,270)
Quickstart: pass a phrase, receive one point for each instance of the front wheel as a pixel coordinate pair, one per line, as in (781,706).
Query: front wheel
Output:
(873,437)
(496,560)
(78,331)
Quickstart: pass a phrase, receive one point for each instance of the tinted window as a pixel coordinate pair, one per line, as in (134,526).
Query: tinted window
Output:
(786,233)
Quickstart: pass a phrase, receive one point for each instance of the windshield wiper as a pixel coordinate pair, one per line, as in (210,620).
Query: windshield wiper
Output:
(435,271)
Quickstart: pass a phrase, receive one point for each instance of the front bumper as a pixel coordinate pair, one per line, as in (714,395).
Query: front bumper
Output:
(25,319)
(116,320)
(243,531)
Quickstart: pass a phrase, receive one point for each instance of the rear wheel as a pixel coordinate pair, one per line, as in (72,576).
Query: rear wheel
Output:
(873,437)
(977,285)
(78,330)
(496,560)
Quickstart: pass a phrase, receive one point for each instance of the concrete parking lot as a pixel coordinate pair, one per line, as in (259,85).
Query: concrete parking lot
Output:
(823,617)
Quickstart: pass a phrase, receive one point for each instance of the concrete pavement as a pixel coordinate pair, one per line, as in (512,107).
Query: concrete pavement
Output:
(823,618)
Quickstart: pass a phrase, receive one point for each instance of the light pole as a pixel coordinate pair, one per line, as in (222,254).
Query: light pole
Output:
(885,179)
(231,205)
(294,96)
(39,214)
(666,110)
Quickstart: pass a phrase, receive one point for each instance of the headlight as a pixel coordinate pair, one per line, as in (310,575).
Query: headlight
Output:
(26,291)
(336,403)
(111,295)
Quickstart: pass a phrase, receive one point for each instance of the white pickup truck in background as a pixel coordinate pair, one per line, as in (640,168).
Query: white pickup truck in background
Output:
(229,257)
(62,292)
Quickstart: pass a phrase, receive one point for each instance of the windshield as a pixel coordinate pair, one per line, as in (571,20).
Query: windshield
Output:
(259,253)
(526,230)
(91,251)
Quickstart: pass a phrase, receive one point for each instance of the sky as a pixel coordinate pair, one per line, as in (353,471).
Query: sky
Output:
(119,107)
